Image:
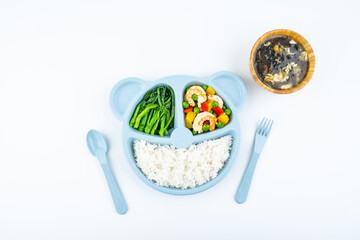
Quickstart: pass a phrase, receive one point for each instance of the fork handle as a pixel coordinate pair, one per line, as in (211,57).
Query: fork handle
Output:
(243,189)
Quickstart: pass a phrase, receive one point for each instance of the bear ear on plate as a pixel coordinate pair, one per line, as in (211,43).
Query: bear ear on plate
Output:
(124,94)
(232,86)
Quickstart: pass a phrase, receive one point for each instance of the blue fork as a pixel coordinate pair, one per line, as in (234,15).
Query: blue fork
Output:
(262,133)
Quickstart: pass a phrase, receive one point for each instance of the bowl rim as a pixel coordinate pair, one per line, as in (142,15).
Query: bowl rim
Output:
(298,38)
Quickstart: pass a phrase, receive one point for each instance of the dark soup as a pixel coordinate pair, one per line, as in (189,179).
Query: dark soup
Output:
(280,62)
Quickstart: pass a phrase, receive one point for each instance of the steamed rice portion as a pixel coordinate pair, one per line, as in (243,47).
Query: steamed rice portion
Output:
(182,168)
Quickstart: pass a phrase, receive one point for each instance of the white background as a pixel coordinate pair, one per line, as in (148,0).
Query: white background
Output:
(59,61)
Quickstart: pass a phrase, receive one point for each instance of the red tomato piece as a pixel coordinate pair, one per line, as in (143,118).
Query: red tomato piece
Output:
(207,122)
(189,109)
(218,110)
(204,107)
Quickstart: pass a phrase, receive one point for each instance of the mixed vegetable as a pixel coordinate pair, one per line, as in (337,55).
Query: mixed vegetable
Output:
(156,111)
(204,111)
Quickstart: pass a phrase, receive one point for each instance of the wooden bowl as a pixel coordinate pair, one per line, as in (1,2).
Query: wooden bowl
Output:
(298,38)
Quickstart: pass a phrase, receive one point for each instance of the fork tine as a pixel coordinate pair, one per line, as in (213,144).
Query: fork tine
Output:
(266,125)
(263,127)
(260,126)
(268,130)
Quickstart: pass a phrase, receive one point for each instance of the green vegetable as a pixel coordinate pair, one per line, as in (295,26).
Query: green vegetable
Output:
(150,116)
(215,114)
(132,121)
(204,87)
(143,122)
(194,97)
(224,107)
(227,111)
(220,125)
(206,127)
(143,113)
(156,111)
(152,121)
(187,89)
(155,126)
(162,125)
(186,104)
(215,104)
(151,97)
(159,97)
(172,115)
(167,116)
(196,110)
(212,112)
(167,104)
(194,132)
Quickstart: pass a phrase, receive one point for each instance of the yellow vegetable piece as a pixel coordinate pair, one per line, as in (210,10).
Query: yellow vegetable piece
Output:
(223,118)
(188,124)
(190,116)
(210,90)
(209,103)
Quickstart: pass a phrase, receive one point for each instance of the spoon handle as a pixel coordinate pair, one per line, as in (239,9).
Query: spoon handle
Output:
(116,194)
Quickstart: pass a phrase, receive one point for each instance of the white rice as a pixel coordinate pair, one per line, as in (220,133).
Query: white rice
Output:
(182,168)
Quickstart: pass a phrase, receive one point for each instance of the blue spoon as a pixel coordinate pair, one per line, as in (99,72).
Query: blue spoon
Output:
(98,147)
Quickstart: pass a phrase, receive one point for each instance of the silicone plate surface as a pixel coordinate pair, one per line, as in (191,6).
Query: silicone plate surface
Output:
(128,92)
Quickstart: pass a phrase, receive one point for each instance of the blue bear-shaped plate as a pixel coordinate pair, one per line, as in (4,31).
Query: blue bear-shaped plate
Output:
(128,92)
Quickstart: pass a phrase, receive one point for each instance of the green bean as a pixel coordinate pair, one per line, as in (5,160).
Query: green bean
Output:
(163,94)
(147,95)
(151,100)
(168,105)
(143,122)
(155,126)
(168,101)
(162,125)
(159,97)
(143,113)
(152,121)
(150,116)
(132,121)
(163,110)
(172,108)
(168,115)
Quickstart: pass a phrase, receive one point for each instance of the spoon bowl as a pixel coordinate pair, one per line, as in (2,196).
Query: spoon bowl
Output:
(96,142)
